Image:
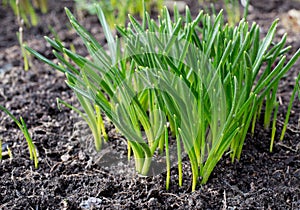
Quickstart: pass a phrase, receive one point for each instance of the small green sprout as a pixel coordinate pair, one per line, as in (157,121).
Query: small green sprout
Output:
(9,153)
(93,119)
(292,99)
(21,124)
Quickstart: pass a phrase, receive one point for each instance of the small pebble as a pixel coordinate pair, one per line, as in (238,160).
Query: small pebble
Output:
(65,157)
(91,203)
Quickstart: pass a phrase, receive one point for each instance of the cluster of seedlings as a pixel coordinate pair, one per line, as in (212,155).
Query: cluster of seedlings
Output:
(196,84)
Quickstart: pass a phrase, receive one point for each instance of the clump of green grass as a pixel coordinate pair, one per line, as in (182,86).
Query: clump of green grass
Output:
(194,83)
(22,125)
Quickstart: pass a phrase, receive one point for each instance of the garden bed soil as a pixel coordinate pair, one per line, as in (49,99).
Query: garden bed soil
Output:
(71,175)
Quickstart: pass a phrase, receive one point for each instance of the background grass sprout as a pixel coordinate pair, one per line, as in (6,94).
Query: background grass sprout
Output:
(193,84)
(232,9)
(25,9)
(116,11)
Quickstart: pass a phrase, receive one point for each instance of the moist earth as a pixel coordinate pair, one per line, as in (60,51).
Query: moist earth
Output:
(72,175)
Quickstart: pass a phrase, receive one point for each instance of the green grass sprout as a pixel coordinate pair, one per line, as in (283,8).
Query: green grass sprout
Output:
(25,54)
(292,99)
(21,124)
(9,153)
(195,84)
(93,118)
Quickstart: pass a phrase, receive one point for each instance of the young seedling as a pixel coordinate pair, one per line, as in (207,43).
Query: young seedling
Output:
(293,98)
(93,118)
(21,124)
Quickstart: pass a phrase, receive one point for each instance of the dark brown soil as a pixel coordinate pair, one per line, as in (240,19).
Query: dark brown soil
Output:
(71,175)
